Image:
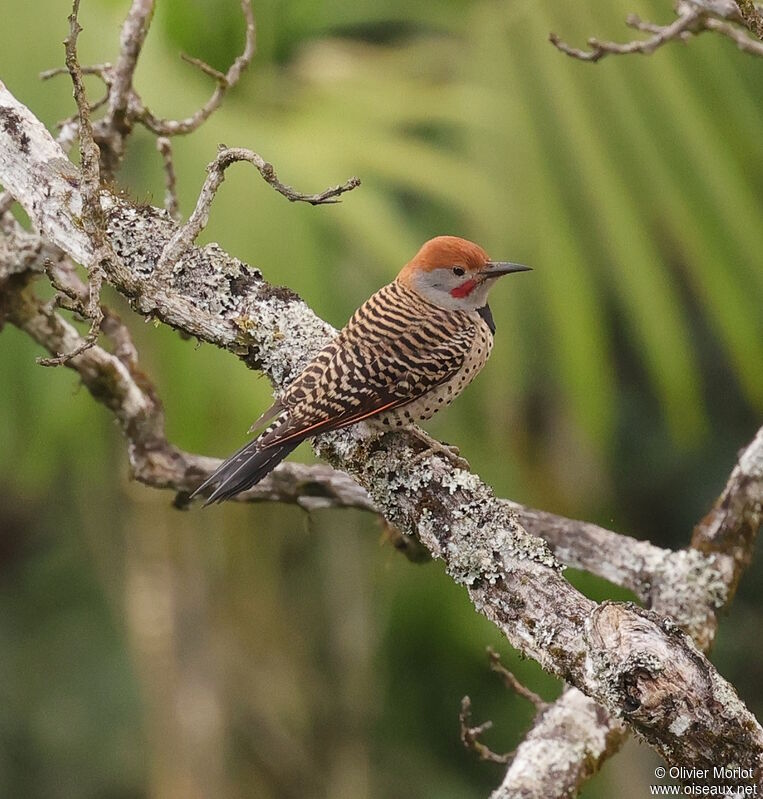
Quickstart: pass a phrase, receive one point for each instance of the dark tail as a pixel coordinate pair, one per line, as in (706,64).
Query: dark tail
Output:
(242,470)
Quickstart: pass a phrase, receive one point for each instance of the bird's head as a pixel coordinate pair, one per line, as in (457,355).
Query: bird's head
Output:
(454,273)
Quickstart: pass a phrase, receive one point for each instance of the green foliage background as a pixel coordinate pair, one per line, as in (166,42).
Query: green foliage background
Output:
(259,652)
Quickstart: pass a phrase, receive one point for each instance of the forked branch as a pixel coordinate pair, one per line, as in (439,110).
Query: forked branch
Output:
(185,236)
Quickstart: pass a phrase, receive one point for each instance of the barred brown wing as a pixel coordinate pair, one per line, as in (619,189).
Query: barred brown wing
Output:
(362,374)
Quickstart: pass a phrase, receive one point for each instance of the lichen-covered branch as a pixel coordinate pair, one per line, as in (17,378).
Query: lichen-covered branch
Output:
(638,565)
(116,380)
(648,570)
(565,747)
(687,585)
(625,658)
(568,744)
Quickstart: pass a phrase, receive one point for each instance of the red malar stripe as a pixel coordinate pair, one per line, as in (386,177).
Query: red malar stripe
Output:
(464,290)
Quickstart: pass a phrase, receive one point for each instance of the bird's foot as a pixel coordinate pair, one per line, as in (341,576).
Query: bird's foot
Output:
(451,453)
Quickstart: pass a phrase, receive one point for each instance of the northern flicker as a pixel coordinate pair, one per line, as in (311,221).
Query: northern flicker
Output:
(407,352)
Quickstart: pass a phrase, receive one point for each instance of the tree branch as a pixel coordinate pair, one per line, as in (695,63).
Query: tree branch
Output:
(731,527)
(568,744)
(90,184)
(693,18)
(131,40)
(470,736)
(171,205)
(112,131)
(642,567)
(185,236)
(625,658)
(661,35)
(565,747)
(177,127)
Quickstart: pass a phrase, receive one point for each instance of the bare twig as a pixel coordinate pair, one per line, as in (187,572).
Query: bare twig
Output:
(225,82)
(63,357)
(742,40)
(661,35)
(103,71)
(89,153)
(186,235)
(164,146)
(207,69)
(131,40)
(694,17)
(470,736)
(112,131)
(512,683)
(89,187)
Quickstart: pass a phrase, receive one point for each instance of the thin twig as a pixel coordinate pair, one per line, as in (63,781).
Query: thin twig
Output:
(225,82)
(207,69)
(512,683)
(660,35)
(88,341)
(164,146)
(470,736)
(694,17)
(90,185)
(634,21)
(103,71)
(89,154)
(186,235)
(744,42)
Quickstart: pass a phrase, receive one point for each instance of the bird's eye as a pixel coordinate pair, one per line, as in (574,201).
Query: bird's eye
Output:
(459,271)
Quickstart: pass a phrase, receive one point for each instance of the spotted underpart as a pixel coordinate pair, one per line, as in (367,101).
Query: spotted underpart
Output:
(398,361)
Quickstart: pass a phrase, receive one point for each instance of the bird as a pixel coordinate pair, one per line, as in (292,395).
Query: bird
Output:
(406,353)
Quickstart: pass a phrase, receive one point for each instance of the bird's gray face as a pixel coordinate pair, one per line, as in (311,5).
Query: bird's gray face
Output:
(461,288)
